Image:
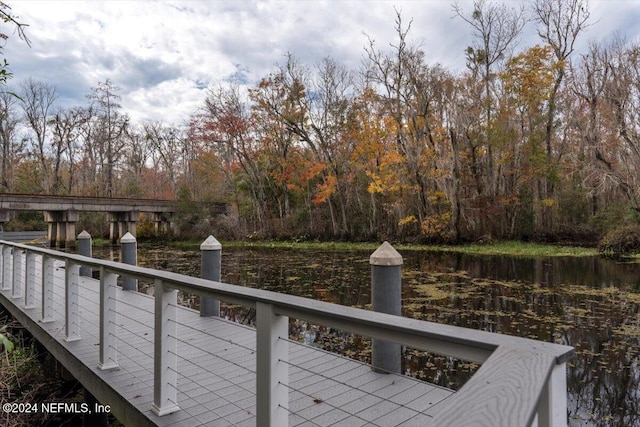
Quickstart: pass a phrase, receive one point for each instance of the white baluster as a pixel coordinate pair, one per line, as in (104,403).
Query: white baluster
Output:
(30,280)
(272,398)
(71,307)
(552,409)
(47,289)
(108,326)
(165,361)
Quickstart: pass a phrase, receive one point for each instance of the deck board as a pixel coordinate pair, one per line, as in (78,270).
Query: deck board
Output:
(216,368)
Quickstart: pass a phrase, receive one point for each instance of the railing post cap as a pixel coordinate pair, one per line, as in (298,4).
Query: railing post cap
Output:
(128,238)
(385,255)
(84,235)
(211,244)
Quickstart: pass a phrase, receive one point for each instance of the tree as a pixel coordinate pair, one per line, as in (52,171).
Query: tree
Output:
(224,128)
(66,128)
(36,100)
(11,147)
(108,133)
(622,94)
(7,17)
(412,93)
(314,109)
(165,145)
(588,81)
(560,22)
(528,79)
(496,29)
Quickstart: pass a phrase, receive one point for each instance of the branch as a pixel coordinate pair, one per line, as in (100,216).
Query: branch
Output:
(20,27)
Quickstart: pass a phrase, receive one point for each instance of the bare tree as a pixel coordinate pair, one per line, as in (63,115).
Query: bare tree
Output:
(11,147)
(622,93)
(7,16)
(560,23)
(496,29)
(66,130)
(165,147)
(36,100)
(109,133)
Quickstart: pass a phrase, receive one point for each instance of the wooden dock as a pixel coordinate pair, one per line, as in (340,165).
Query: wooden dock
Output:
(205,371)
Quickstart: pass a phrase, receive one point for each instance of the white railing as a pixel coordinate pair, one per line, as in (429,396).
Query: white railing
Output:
(521,382)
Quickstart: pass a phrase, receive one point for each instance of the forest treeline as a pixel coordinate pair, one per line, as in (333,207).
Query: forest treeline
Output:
(533,142)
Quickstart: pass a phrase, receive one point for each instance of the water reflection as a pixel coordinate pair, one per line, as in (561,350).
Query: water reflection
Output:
(589,303)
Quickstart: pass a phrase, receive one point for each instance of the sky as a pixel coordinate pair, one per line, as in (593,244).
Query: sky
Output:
(163,55)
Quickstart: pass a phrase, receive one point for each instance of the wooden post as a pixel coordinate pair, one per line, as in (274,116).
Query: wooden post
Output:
(386,297)
(108,327)
(71,303)
(17,270)
(47,289)
(7,264)
(272,355)
(84,249)
(210,268)
(552,408)
(165,374)
(30,280)
(128,255)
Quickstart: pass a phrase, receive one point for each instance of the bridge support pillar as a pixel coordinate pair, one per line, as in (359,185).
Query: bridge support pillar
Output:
(121,223)
(161,224)
(4,217)
(62,228)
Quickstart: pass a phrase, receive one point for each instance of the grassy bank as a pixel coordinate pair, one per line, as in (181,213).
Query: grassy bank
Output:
(521,249)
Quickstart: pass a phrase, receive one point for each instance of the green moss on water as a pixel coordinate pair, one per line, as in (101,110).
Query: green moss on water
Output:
(514,248)
(511,248)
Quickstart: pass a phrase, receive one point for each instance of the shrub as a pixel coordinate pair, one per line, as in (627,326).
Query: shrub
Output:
(621,241)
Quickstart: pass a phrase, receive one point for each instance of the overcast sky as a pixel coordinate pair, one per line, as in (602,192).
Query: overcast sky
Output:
(164,54)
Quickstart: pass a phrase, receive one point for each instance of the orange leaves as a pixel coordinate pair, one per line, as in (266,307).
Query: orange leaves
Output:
(437,226)
(325,189)
(384,176)
(311,171)
(297,173)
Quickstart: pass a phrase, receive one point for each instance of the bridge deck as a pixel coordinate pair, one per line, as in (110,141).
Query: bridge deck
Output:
(216,368)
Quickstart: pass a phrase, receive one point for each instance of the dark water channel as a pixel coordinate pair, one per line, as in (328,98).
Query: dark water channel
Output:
(589,303)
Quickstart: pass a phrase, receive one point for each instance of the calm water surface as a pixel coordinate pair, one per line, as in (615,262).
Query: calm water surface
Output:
(589,303)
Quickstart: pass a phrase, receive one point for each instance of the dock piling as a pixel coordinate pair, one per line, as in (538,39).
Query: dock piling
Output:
(210,269)
(84,249)
(128,255)
(386,297)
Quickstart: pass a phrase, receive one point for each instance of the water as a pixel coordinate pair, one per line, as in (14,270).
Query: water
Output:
(589,303)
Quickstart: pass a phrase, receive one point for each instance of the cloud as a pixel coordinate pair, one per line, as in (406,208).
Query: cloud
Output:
(163,54)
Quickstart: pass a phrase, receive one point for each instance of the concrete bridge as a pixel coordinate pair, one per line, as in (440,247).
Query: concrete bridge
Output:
(62,213)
